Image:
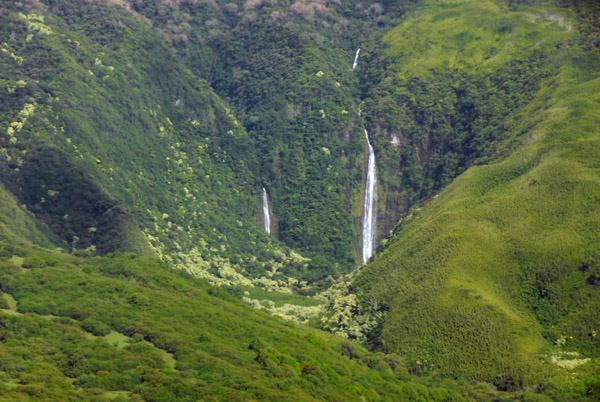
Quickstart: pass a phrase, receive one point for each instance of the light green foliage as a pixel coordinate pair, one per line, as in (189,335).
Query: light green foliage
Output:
(474,36)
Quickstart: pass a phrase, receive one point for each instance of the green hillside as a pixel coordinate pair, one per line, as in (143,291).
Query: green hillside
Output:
(136,138)
(112,143)
(447,87)
(497,276)
(131,328)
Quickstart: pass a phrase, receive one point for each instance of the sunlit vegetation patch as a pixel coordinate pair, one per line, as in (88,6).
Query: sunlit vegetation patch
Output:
(474,36)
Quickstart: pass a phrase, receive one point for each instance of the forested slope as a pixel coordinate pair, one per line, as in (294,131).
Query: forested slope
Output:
(114,144)
(124,327)
(286,69)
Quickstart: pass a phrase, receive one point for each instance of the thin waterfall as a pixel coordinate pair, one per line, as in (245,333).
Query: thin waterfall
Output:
(355,59)
(369,212)
(267,217)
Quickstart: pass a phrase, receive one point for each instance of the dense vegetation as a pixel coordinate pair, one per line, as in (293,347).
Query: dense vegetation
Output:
(442,100)
(304,124)
(285,67)
(114,144)
(500,268)
(123,327)
(131,130)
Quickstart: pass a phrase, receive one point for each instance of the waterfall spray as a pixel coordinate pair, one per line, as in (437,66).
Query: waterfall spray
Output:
(369,212)
(355,59)
(267,218)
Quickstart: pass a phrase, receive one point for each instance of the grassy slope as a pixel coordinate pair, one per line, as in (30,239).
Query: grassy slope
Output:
(473,36)
(508,252)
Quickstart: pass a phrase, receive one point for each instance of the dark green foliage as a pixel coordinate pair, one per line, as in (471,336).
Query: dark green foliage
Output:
(440,126)
(294,99)
(114,136)
(92,216)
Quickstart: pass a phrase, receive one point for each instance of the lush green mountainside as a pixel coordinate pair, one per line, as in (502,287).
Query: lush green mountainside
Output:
(497,276)
(152,126)
(286,67)
(287,70)
(295,100)
(447,87)
(111,142)
(127,92)
(124,327)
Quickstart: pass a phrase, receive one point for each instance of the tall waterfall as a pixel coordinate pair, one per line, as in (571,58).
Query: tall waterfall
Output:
(369,212)
(267,218)
(355,59)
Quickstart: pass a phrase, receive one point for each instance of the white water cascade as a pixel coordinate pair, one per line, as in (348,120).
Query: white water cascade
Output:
(267,217)
(369,212)
(355,59)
